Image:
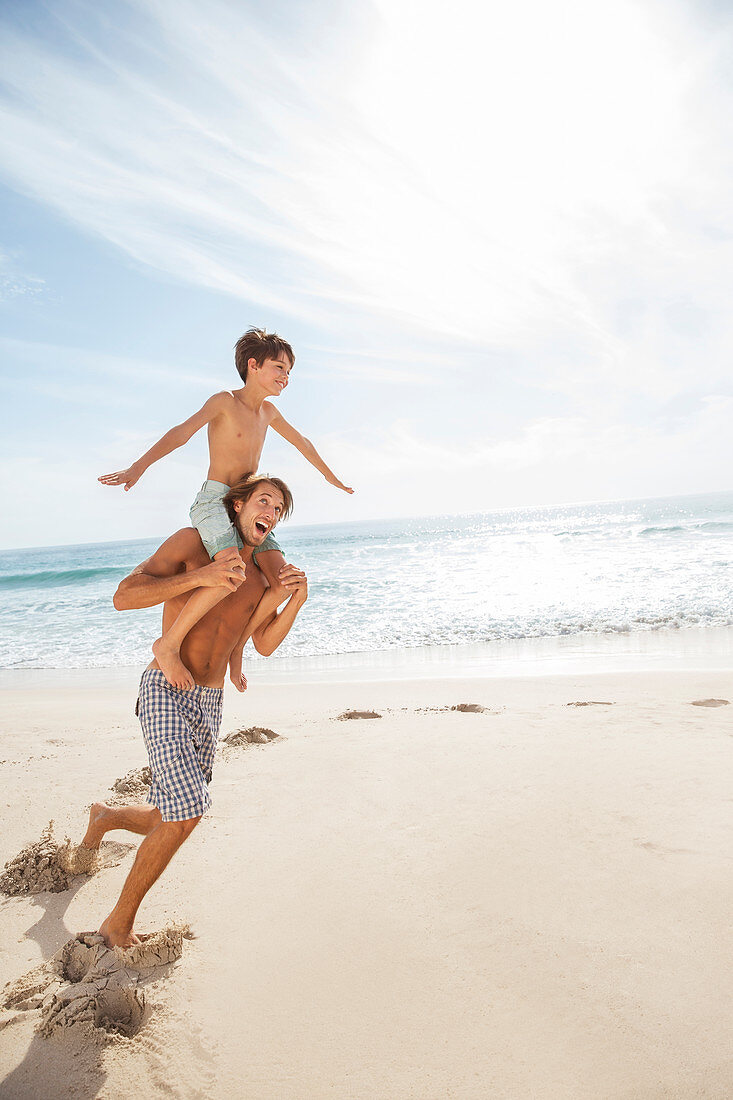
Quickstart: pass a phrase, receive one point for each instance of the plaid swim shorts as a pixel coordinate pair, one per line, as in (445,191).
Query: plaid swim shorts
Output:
(180,730)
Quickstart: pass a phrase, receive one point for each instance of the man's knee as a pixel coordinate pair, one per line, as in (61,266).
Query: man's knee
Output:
(182,829)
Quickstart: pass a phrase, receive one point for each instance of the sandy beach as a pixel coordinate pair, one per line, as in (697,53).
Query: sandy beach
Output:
(526,900)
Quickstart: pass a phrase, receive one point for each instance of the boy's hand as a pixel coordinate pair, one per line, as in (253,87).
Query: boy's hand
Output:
(339,484)
(128,478)
(227,570)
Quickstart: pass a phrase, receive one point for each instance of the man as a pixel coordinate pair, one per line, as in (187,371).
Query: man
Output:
(180,727)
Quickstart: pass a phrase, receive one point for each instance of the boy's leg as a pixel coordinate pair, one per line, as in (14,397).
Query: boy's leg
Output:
(235,666)
(270,562)
(153,856)
(167,648)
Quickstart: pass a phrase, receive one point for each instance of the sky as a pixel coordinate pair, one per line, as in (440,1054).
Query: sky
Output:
(499,237)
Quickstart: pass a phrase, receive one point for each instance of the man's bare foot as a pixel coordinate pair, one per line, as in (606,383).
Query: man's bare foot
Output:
(118,936)
(167,655)
(235,675)
(95,829)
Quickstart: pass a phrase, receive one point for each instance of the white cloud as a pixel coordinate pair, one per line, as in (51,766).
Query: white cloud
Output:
(29,356)
(15,282)
(551,460)
(462,180)
(543,187)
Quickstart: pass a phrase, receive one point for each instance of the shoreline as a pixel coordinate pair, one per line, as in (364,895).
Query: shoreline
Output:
(695,648)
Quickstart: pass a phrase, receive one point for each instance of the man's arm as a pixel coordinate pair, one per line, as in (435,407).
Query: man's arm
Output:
(306,448)
(267,636)
(164,575)
(275,594)
(264,609)
(171,441)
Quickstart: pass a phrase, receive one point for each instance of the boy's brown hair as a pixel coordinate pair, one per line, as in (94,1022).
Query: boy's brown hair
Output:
(248,485)
(258,344)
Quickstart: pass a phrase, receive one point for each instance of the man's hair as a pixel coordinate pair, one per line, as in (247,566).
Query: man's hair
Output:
(248,485)
(258,344)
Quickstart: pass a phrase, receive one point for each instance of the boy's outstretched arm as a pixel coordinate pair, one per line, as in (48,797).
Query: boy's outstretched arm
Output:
(171,441)
(306,448)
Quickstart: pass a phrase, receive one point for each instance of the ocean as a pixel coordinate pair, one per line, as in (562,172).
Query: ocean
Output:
(612,568)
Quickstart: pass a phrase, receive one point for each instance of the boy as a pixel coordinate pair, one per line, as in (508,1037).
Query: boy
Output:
(237,425)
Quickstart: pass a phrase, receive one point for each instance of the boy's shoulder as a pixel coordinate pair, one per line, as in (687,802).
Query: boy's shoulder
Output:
(222,401)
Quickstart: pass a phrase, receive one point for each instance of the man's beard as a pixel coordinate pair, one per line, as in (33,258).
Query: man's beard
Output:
(248,541)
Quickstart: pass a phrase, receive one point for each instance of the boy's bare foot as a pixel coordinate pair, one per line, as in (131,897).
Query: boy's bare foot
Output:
(235,675)
(118,936)
(95,829)
(171,665)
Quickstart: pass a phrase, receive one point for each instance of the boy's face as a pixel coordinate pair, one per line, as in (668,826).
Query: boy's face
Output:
(273,374)
(257,516)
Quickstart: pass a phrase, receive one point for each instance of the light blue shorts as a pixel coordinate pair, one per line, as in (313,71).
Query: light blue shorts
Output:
(181,729)
(211,520)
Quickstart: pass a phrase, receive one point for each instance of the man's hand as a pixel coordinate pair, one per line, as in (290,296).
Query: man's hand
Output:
(128,478)
(293,580)
(335,481)
(292,590)
(227,570)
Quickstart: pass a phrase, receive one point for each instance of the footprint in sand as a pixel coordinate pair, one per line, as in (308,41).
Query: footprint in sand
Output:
(662,849)
(349,714)
(48,866)
(92,988)
(132,787)
(711,703)
(590,703)
(461,708)
(255,735)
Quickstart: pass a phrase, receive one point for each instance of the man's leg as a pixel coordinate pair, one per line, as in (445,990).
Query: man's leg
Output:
(153,856)
(134,819)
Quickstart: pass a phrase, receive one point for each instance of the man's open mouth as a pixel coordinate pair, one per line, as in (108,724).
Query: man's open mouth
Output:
(262,527)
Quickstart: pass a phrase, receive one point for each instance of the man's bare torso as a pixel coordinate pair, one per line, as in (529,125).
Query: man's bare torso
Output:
(208,645)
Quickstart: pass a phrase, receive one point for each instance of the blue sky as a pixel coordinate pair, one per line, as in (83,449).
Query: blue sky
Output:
(499,237)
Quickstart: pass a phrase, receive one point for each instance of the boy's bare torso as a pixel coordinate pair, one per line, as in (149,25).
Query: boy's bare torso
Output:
(236,438)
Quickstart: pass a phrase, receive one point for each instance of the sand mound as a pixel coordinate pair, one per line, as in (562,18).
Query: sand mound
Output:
(27,993)
(76,860)
(711,703)
(255,735)
(91,986)
(348,714)
(45,865)
(131,788)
